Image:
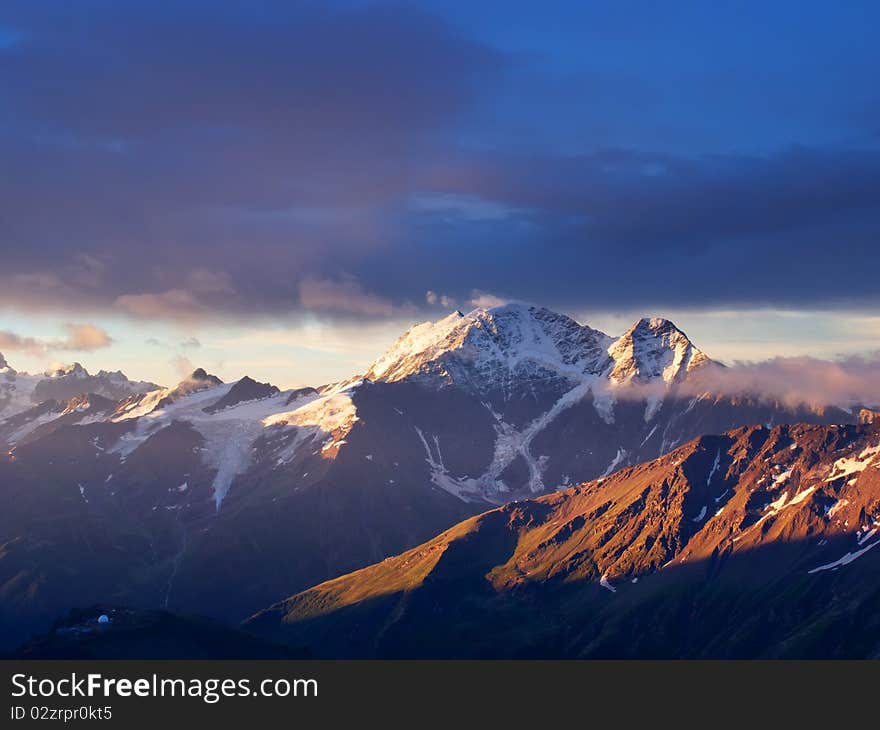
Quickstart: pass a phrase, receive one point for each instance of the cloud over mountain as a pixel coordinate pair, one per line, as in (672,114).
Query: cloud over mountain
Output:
(852,380)
(232,163)
(793,380)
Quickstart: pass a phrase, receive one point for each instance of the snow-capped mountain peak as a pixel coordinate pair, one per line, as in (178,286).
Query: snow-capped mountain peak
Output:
(490,343)
(74,370)
(418,345)
(117,377)
(197,381)
(654,348)
(530,343)
(3,364)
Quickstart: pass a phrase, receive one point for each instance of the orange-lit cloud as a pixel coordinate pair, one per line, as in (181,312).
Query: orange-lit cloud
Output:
(173,304)
(84,338)
(80,338)
(342,296)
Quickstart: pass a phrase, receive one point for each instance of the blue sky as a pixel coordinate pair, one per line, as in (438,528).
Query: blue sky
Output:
(285,182)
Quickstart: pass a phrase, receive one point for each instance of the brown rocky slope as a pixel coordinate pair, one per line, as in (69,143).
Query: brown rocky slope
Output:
(756,543)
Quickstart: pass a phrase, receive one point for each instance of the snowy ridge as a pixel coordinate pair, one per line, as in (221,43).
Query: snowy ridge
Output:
(325,418)
(230,434)
(20,391)
(489,347)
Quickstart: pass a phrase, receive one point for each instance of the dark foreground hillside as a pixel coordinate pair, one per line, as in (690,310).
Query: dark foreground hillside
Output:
(126,633)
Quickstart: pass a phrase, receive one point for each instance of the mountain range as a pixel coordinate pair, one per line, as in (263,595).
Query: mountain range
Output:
(755,543)
(22,391)
(224,498)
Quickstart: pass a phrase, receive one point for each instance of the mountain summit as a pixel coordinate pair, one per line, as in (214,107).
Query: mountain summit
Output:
(490,348)
(74,370)
(654,348)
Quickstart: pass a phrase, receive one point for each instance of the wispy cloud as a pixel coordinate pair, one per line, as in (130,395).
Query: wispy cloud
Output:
(486,300)
(183,366)
(794,381)
(853,380)
(79,338)
(19,343)
(344,296)
(173,304)
(433,299)
(84,338)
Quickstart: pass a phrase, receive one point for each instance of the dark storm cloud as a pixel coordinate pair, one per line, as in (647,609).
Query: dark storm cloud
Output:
(257,139)
(214,159)
(115,70)
(797,228)
(623,197)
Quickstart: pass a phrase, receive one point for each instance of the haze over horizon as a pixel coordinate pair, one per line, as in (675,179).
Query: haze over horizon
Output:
(266,190)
